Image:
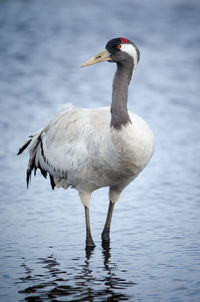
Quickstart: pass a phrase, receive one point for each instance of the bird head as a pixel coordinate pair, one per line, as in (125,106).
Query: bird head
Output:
(118,50)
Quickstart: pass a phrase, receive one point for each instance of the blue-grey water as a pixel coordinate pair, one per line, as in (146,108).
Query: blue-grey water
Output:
(154,253)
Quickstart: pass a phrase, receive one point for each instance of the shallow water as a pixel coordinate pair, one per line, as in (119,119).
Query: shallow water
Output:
(154,253)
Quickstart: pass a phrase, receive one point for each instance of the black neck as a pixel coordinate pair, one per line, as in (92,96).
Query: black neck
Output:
(119,111)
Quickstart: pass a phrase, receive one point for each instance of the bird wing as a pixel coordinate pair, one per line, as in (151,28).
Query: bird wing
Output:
(65,144)
(37,157)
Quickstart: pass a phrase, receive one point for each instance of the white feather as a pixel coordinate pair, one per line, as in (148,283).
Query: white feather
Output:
(131,50)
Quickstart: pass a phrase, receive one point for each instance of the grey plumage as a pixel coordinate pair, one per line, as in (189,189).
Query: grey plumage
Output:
(119,111)
(88,149)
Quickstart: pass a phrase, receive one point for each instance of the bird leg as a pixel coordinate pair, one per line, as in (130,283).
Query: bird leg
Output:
(105,236)
(89,240)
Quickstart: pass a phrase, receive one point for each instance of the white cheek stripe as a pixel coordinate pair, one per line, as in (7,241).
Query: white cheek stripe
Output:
(130,49)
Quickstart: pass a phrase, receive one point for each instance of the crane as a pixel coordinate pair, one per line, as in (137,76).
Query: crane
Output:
(87,149)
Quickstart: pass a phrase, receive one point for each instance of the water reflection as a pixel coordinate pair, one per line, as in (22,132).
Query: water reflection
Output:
(84,282)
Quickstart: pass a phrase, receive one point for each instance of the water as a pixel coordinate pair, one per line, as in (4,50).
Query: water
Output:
(154,253)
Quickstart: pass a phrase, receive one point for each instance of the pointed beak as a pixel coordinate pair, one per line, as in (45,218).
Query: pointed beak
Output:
(100,57)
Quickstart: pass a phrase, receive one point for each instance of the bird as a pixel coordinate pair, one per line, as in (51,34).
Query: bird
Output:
(88,149)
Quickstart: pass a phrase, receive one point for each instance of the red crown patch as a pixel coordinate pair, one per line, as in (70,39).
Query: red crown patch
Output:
(123,40)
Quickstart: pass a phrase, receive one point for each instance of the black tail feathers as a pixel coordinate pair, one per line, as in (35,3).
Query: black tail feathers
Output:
(24,146)
(32,165)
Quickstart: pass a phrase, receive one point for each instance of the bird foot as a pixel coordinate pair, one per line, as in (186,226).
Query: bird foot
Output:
(89,242)
(105,236)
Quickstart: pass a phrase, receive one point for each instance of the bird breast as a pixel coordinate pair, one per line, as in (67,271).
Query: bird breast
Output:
(134,144)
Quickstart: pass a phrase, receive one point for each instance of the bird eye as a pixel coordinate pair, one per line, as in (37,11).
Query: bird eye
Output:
(118,46)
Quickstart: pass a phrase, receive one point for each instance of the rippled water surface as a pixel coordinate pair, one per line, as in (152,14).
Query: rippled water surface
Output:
(154,253)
